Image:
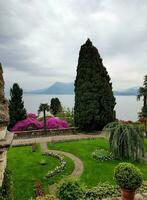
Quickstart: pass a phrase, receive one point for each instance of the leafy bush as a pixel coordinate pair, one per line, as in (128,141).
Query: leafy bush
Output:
(33,124)
(43,162)
(128,176)
(67,115)
(102,155)
(126,141)
(31,115)
(101,191)
(29,123)
(70,190)
(6,191)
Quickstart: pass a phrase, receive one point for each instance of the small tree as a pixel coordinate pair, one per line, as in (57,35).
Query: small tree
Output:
(126,141)
(43,108)
(143,93)
(55,106)
(17,111)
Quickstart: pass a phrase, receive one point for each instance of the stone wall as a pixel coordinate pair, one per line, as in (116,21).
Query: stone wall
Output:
(5,136)
(41,133)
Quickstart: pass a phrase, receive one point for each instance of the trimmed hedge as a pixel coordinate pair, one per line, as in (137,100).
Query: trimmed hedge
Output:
(6,191)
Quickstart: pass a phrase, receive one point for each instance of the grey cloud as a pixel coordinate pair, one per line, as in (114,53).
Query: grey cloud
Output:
(43,38)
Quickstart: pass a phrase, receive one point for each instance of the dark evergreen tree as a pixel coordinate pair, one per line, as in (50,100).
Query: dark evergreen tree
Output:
(17,111)
(94,100)
(142,92)
(55,106)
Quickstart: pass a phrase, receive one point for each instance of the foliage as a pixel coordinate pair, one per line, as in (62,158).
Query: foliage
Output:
(43,162)
(31,115)
(27,124)
(59,168)
(102,155)
(55,106)
(33,124)
(70,190)
(67,115)
(128,176)
(143,93)
(6,191)
(38,189)
(17,111)
(101,191)
(126,141)
(55,122)
(94,100)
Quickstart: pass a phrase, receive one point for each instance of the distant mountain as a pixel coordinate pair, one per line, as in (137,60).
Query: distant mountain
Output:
(128,92)
(56,88)
(68,88)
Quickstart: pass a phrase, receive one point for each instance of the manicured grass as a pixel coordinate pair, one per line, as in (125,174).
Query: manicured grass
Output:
(94,171)
(26,170)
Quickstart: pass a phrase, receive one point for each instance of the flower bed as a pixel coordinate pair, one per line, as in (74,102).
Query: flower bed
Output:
(59,168)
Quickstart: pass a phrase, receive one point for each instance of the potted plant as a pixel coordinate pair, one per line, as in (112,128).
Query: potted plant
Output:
(129,178)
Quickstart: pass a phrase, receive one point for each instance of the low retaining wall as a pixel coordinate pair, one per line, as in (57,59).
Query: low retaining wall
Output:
(41,133)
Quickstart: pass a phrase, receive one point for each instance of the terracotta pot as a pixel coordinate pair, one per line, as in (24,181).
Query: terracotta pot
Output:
(127,194)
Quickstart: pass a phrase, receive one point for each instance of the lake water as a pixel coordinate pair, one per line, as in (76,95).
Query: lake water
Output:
(126,108)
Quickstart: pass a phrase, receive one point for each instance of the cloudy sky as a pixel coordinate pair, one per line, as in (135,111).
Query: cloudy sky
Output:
(40,39)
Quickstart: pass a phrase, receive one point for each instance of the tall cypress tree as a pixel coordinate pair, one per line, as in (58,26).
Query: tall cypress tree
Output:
(94,100)
(17,111)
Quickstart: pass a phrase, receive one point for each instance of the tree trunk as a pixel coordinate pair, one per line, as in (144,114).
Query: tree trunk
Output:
(44,119)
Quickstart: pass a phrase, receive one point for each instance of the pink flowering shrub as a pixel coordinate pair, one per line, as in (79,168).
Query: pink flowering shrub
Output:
(55,122)
(27,124)
(33,124)
(31,115)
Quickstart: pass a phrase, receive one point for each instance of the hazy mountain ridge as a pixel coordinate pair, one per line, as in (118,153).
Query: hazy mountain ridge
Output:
(68,88)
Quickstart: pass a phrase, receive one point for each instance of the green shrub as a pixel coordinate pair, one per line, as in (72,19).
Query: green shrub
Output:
(104,190)
(102,155)
(6,191)
(70,191)
(126,141)
(128,176)
(43,162)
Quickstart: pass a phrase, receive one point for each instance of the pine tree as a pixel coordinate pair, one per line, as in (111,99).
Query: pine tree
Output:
(94,100)
(17,111)
(55,106)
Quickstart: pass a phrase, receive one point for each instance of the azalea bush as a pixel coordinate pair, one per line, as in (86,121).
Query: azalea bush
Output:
(55,122)
(31,123)
(31,115)
(27,124)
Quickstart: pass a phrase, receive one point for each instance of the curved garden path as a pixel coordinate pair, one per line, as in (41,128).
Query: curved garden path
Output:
(78,164)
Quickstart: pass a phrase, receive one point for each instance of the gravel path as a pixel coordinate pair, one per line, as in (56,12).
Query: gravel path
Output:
(78,165)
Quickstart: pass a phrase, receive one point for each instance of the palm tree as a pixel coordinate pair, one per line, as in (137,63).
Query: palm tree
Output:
(43,108)
(142,92)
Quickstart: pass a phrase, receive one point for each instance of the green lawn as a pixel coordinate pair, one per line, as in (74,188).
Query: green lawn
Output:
(94,171)
(26,170)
